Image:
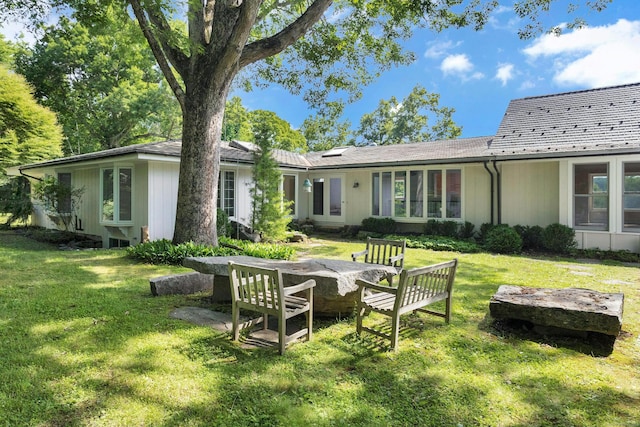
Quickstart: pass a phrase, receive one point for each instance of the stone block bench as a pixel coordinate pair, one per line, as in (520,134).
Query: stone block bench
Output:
(570,309)
(184,284)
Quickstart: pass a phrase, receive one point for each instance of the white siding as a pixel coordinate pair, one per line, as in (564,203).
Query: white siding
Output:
(162,199)
(530,193)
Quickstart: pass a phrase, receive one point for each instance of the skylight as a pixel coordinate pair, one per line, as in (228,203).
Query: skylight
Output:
(337,151)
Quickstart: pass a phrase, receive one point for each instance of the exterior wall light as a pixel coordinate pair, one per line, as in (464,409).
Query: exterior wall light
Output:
(307,185)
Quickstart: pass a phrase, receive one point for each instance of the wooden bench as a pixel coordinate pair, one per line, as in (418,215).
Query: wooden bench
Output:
(383,252)
(416,289)
(261,290)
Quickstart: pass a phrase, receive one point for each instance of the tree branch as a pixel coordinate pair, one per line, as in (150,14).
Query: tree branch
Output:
(175,56)
(158,53)
(273,45)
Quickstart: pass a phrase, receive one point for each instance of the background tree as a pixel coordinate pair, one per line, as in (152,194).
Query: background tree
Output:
(270,214)
(281,135)
(102,82)
(285,42)
(325,130)
(29,132)
(236,124)
(396,122)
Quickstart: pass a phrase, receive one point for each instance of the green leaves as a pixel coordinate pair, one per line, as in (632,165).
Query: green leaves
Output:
(407,121)
(28,131)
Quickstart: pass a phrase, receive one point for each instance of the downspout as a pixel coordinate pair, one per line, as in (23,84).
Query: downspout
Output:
(29,176)
(492,190)
(499,190)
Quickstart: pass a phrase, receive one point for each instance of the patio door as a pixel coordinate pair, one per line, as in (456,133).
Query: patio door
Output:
(328,198)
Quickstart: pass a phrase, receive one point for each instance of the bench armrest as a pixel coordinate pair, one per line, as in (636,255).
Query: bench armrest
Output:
(365,284)
(355,255)
(301,287)
(395,258)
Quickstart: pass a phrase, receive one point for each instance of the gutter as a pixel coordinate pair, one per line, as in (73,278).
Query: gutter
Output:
(492,190)
(499,190)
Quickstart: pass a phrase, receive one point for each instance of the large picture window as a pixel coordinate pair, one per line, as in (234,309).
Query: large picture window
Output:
(591,196)
(400,194)
(631,197)
(116,201)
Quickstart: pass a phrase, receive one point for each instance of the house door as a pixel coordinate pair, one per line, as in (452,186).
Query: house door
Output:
(328,199)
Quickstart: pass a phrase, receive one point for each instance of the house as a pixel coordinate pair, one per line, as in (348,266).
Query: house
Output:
(572,158)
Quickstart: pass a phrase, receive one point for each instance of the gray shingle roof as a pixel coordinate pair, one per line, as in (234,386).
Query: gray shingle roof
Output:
(447,151)
(572,123)
(231,152)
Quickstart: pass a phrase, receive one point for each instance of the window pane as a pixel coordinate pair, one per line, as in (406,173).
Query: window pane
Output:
(289,190)
(335,197)
(631,197)
(107,194)
(375,194)
(124,195)
(386,193)
(591,196)
(415,198)
(229,193)
(434,194)
(318,196)
(454,191)
(64,201)
(400,194)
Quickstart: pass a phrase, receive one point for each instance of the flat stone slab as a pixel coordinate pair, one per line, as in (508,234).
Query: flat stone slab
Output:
(571,308)
(185,284)
(335,292)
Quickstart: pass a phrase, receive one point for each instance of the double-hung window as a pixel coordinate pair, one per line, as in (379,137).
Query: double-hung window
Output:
(444,193)
(591,196)
(64,200)
(631,197)
(227,193)
(116,195)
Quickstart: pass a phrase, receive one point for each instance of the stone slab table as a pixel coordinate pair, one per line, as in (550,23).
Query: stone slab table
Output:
(335,292)
(572,309)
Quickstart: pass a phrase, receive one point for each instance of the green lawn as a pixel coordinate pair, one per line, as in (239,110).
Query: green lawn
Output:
(83,342)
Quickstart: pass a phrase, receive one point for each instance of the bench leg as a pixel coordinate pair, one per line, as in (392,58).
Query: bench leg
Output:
(235,318)
(395,329)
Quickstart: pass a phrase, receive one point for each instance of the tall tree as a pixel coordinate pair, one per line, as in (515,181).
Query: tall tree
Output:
(226,36)
(29,132)
(102,82)
(283,137)
(396,122)
(236,124)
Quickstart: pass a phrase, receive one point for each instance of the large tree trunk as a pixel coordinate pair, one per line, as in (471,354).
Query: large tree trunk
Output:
(200,163)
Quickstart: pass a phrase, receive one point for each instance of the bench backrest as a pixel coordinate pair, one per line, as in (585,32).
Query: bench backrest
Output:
(381,251)
(256,286)
(423,285)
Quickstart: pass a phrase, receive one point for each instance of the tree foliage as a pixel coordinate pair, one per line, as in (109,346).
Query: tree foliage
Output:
(61,201)
(29,132)
(270,213)
(325,130)
(399,122)
(102,82)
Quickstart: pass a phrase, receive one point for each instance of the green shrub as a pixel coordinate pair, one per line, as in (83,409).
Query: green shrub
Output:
(165,252)
(503,240)
(484,231)
(223,225)
(449,229)
(438,243)
(467,230)
(432,228)
(531,237)
(379,225)
(558,238)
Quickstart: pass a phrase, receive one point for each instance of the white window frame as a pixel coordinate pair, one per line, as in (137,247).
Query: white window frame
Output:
(116,195)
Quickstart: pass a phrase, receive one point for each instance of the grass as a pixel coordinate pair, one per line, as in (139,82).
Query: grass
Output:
(83,343)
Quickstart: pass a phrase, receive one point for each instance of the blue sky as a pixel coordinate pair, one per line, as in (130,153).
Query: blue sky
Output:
(478,73)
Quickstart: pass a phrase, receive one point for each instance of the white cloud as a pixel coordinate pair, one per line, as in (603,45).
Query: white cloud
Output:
(438,49)
(504,73)
(593,57)
(459,65)
(499,12)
